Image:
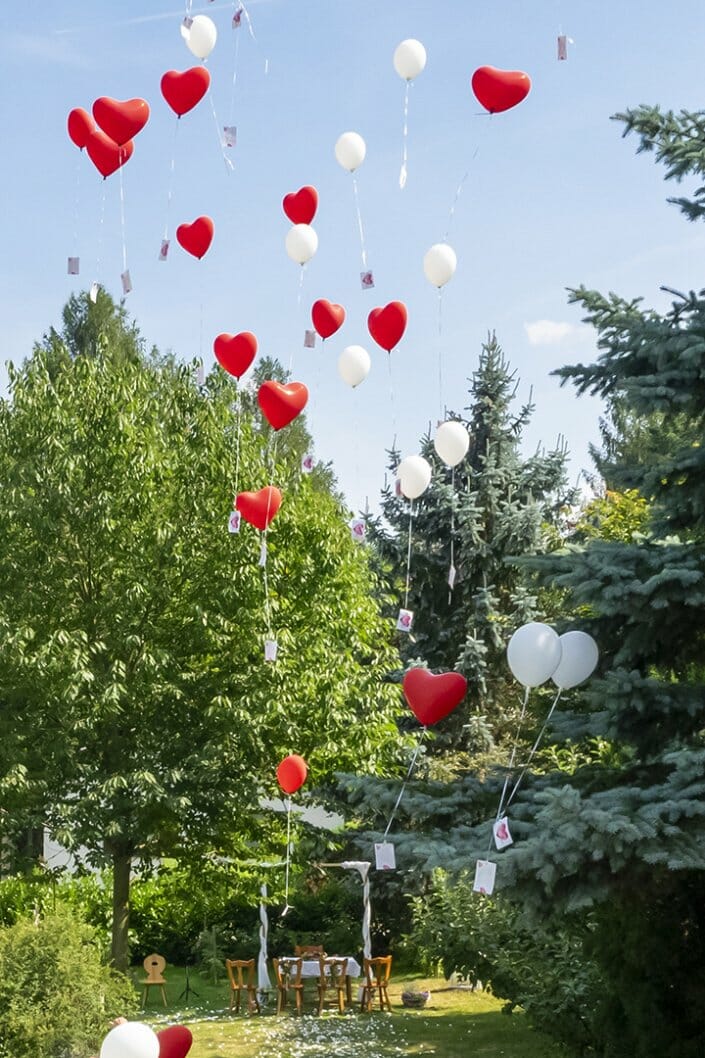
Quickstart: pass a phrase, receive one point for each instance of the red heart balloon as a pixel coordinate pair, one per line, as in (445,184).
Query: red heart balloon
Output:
(174,1042)
(300,206)
(121,120)
(281,404)
(499,90)
(196,237)
(291,773)
(259,508)
(432,697)
(387,325)
(235,352)
(327,317)
(183,91)
(105,154)
(80,126)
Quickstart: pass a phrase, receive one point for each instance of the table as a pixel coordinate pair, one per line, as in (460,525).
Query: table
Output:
(312,968)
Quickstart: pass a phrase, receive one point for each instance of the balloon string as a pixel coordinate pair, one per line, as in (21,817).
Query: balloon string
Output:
(234,84)
(241,3)
(534,748)
(359,223)
(288,855)
(412,765)
(513,754)
(77,203)
(461,185)
(223,150)
(170,183)
(122,223)
(441,410)
(405,140)
(452,535)
(408,556)
(237,438)
(101,226)
(392,401)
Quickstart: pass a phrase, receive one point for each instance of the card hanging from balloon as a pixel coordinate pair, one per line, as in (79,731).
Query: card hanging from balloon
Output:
(385,856)
(358,529)
(367,280)
(73,266)
(237,18)
(405,620)
(164,250)
(309,340)
(307,463)
(562,48)
(500,832)
(230,135)
(452,577)
(271,648)
(187,22)
(200,375)
(93,292)
(126,281)
(234,522)
(263,553)
(485,874)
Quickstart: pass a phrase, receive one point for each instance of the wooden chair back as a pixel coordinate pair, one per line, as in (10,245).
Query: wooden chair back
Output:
(309,950)
(154,966)
(241,973)
(288,972)
(378,971)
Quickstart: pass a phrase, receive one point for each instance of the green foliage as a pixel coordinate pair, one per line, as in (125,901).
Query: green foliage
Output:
(614,516)
(540,967)
(57,997)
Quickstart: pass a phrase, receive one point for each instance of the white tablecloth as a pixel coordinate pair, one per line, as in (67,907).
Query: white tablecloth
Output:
(312,967)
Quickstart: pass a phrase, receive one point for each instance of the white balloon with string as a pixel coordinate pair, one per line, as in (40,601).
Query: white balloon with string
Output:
(414,474)
(350,153)
(200,36)
(452,442)
(301,243)
(409,61)
(354,365)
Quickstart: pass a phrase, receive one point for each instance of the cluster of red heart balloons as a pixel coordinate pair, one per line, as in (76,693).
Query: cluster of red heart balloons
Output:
(107,136)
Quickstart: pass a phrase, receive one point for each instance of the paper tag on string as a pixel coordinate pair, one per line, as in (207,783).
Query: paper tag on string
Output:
(500,830)
(452,577)
(93,292)
(187,23)
(126,281)
(234,522)
(562,47)
(405,620)
(358,529)
(229,135)
(73,266)
(385,856)
(309,340)
(263,553)
(367,280)
(307,463)
(164,250)
(200,375)
(485,873)
(271,649)
(266,67)
(237,18)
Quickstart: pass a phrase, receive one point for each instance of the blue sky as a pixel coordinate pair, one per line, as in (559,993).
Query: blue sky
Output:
(554,197)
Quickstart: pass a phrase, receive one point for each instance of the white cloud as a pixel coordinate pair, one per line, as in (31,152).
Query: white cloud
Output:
(550,332)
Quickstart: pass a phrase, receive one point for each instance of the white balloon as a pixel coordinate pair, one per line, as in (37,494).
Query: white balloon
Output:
(350,151)
(133,1039)
(414,474)
(451,442)
(201,36)
(534,653)
(439,264)
(301,243)
(579,659)
(409,59)
(354,365)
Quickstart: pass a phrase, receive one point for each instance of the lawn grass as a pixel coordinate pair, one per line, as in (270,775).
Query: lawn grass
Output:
(455,1024)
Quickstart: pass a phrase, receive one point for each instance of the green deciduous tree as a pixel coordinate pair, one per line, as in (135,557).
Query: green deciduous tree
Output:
(139,717)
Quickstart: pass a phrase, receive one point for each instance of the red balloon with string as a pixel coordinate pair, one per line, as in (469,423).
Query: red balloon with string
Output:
(80,126)
(499,90)
(291,773)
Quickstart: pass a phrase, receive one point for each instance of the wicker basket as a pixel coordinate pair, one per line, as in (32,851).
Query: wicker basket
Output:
(415,1000)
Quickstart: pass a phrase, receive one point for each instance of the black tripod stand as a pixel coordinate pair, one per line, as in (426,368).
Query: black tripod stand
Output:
(188,991)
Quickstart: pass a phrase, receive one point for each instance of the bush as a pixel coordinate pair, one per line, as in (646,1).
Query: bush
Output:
(541,967)
(57,996)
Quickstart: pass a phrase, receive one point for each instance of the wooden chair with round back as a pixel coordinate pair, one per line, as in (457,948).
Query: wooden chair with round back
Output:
(241,973)
(377,973)
(154,966)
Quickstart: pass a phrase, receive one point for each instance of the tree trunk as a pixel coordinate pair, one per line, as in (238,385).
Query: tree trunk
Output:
(121,911)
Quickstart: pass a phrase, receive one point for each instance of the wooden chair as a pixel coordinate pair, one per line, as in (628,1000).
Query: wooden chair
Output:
(154,966)
(309,951)
(241,973)
(288,975)
(377,973)
(333,978)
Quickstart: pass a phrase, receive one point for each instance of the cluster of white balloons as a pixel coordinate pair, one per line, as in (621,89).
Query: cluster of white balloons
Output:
(200,35)
(451,443)
(536,653)
(132,1039)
